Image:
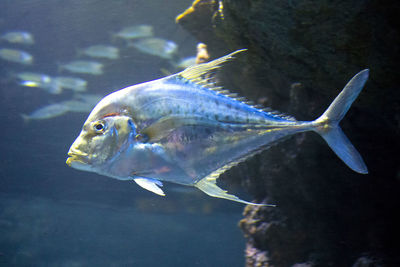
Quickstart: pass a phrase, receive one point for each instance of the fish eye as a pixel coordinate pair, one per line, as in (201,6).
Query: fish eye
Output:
(99,126)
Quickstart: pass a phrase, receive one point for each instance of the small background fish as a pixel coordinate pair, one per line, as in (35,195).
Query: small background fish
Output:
(83,67)
(101,51)
(16,56)
(156,47)
(43,81)
(18,37)
(134,32)
(72,83)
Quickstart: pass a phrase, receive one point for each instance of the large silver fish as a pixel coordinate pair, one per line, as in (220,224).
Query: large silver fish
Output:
(184,130)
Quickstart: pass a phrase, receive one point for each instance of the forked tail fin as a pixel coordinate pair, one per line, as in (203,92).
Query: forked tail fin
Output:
(328,124)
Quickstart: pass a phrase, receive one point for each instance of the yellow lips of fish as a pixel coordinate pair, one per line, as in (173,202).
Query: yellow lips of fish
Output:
(76,158)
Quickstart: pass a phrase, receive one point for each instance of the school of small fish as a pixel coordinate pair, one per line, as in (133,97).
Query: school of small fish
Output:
(91,60)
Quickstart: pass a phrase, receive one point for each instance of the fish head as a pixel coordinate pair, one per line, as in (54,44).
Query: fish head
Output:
(100,142)
(26,58)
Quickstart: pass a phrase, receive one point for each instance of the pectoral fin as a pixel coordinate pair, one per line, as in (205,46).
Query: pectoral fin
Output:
(164,126)
(151,185)
(210,187)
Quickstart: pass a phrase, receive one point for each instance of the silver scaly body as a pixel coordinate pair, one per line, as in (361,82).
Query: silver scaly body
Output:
(183,129)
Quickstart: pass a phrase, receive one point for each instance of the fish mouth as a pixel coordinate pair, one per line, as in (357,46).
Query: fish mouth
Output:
(76,157)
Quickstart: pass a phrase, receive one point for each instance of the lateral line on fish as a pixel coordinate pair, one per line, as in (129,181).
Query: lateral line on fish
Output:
(160,126)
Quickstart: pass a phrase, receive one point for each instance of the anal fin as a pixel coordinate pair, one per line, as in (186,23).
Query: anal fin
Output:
(210,187)
(150,184)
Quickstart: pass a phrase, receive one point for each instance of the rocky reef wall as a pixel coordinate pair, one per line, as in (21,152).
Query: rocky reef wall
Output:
(300,55)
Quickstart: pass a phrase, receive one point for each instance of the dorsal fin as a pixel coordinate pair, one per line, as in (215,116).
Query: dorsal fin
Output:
(275,113)
(201,75)
(198,73)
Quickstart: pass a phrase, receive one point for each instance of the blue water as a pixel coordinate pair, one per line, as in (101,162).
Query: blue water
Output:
(53,215)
